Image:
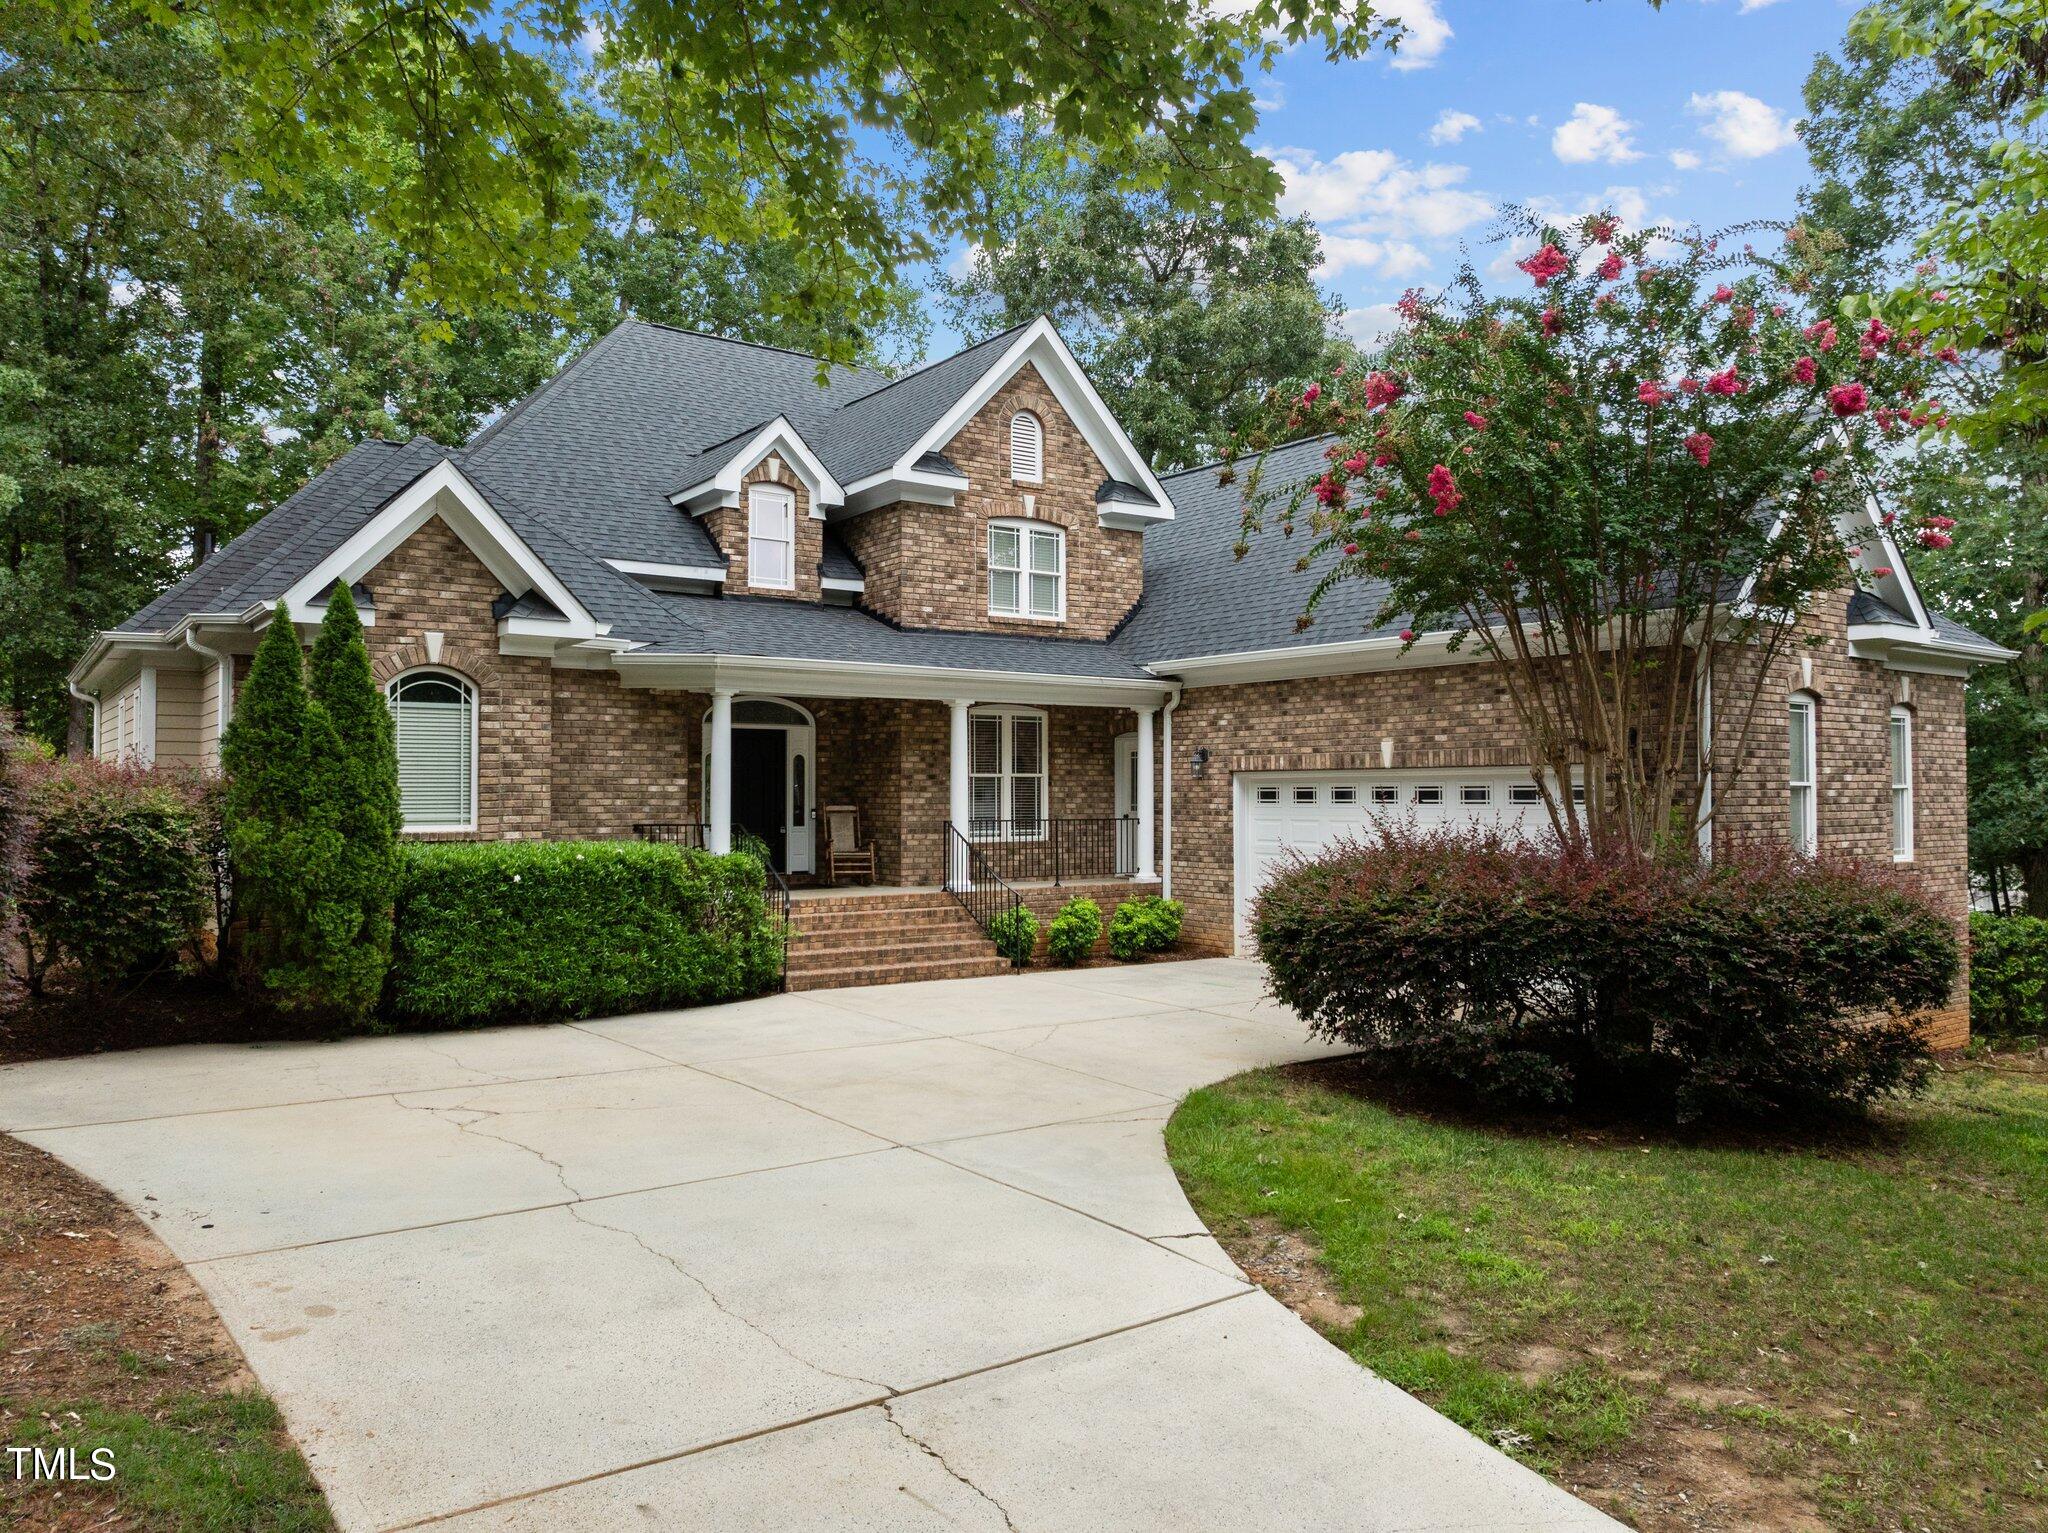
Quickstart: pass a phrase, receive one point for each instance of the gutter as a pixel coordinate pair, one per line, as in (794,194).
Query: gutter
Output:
(92,702)
(223,705)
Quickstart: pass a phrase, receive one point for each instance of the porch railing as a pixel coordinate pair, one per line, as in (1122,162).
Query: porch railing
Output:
(779,900)
(1055,850)
(973,881)
(691,833)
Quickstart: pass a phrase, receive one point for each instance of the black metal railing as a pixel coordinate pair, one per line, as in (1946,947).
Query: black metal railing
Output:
(691,833)
(1050,850)
(973,881)
(779,899)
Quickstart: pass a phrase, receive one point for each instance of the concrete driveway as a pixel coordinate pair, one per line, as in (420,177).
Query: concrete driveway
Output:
(899,1258)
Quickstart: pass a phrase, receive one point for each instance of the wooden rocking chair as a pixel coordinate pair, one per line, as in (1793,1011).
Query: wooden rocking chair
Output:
(845,853)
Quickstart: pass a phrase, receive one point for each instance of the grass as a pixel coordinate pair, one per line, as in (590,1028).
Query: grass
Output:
(1860,1324)
(194,1464)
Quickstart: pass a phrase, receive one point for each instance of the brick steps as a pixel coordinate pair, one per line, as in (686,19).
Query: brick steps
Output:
(885,939)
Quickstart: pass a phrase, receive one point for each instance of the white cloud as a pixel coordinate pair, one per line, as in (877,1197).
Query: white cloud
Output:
(593,39)
(1756,5)
(962,263)
(1361,252)
(1593,133)
(1424,32)
(1371,323)
(1743,126)
(1451,126)
(1379,191)
(1685,159)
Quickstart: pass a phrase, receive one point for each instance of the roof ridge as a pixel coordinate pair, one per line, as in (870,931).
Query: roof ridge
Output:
(490,432)
(918,372)
(1213,463)
(733,340)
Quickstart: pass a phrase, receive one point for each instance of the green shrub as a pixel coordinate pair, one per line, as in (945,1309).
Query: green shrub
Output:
(1015,933)
(1074,930)
(550,930)
(1150,925)
(119,875)
(1760,981)
(2008,975)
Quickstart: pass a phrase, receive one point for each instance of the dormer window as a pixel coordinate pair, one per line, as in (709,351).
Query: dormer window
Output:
(1027,570)
(771,537)
(1027,448)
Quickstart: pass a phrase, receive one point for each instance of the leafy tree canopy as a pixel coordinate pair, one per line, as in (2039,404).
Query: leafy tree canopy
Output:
(1184,315)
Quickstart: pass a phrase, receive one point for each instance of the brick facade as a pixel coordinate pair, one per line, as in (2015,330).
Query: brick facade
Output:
(1852,765)
(927,566)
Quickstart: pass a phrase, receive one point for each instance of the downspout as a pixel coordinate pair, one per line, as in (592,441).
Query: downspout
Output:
(92,702)
(1166,795)
(223,705)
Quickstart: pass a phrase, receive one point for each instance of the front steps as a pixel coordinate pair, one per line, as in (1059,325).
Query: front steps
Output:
(884,939)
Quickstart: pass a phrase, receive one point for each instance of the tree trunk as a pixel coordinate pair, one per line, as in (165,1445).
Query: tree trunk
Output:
(2034,881)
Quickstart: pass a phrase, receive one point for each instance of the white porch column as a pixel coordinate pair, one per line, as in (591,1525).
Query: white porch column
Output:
(718,791)
(959,797)
(1146,769)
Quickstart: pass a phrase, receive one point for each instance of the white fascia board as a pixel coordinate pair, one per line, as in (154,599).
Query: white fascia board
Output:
(920,488)
(113,644)
(845,678)
(1305,660)
(838,583)
(1905,649)
(443,490)
(1041,344)
(1124,515)
(661,577)
(778,436)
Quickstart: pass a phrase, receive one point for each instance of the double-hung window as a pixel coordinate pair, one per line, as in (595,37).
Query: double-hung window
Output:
(771,537)
(1006,773)
(1902,785)
(1800,773)
(433,716)
(1027,570)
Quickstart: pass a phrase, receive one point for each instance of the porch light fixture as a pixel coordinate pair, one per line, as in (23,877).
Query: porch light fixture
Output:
(1198,764)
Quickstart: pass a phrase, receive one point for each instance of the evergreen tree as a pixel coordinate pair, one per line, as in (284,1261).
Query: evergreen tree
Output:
(358,792)
(263,753)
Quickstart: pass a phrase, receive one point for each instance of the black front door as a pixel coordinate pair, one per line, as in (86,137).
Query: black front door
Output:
(760,787)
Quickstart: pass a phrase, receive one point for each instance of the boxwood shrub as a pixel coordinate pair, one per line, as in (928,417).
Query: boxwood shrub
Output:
(1073,933)
(1015,933)
(1761,981)
(552,930)
(1149,925)
(2008,974)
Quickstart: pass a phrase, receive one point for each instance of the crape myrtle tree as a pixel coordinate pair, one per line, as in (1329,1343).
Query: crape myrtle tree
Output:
(1607,480)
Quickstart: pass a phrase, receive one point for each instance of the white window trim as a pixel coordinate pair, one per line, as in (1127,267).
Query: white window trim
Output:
(1900,762)
(475,715)
(1802,706)
(1006,801)
(1026,529)
(786,497)
(1037,428)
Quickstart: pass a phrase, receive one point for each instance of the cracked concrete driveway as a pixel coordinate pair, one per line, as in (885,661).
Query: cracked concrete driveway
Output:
(899,1258)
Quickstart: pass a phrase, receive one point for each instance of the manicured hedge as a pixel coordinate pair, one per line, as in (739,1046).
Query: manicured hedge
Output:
(1764,980)
(1149,925)
(1074,930)
(1015,933)
(2008,974)
(550,930)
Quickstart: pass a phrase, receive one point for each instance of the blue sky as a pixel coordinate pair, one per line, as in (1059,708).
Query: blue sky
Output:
(1679,115)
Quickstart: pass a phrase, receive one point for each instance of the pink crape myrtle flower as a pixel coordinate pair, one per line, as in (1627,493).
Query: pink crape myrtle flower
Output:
(1329,491)
(1875,332)
(1821,333)
(1949,355)
(1312,393)
(1545,264)
(1651,392)
(1847,399)
(1820,476)
(1726,383)
(1551,322)
(1601,227)
(1356,464)
(1443,489)
(1933,537)
(1724,293)
(1380,390)
(1805,369)
(1689,385)
(1407,636)
(1613,266)
(1701,446)
(1475,420)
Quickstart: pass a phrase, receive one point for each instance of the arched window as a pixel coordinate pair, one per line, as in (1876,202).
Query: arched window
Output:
(1801,772)
(1027,448)
(434,715)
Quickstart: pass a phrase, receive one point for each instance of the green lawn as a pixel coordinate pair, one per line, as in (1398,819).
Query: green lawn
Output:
(1856,1328)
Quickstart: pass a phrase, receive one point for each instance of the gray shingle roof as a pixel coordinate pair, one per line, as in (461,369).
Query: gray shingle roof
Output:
(1869,607)
(837,561)
(872,432)
(752,625)
(1200,600)
(1950,631)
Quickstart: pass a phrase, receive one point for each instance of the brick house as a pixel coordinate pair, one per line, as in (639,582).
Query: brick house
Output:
(687,589)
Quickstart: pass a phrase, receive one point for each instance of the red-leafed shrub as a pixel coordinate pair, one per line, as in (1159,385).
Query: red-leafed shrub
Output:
(120,870)
(1761,981)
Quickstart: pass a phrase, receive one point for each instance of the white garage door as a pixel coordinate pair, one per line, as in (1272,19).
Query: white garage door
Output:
(1281,813)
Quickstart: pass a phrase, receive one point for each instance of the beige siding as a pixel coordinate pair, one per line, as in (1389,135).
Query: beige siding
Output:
(209,716)
(177,718)
(115,704)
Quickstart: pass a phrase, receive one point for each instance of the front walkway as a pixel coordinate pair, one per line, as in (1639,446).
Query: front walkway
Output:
(906,1257)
